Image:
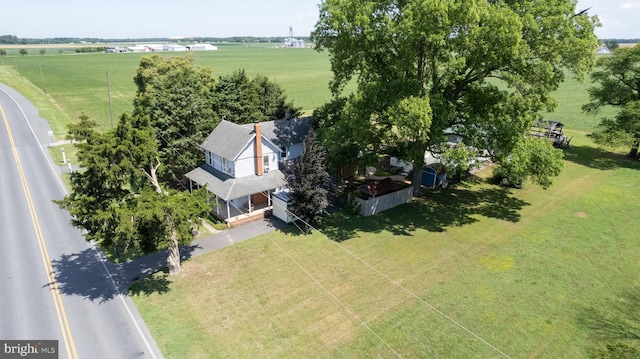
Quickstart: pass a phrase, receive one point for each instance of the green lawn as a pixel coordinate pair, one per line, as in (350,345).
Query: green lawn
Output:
(529,273)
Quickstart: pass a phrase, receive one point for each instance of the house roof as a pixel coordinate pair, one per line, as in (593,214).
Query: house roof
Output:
(228,188)
(286,132)
(229,139)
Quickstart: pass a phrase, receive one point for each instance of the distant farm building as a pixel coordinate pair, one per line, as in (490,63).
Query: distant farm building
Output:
(173,47)
(164,48)
(145,48)
(201,47)
(116,49)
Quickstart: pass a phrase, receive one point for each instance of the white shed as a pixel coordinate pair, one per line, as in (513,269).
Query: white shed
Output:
(281,202)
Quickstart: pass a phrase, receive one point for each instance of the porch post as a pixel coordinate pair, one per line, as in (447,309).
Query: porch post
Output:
(269,199)
(217,206)
(190,185)
(228,212)
(250,204)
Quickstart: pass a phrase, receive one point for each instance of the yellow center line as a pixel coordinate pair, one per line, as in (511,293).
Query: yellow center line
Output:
(46,260)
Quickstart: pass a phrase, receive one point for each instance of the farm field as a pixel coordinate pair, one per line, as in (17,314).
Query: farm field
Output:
(77,83)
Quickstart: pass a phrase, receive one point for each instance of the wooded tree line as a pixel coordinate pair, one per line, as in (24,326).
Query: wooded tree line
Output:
(14,40)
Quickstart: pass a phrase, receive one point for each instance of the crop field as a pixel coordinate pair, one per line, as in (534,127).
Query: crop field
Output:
(77,83)
(472,271)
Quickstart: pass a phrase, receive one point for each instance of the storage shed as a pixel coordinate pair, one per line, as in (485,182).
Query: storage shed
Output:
(281,202)
(434,175)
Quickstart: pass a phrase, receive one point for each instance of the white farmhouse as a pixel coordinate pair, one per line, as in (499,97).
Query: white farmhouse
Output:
(243,164)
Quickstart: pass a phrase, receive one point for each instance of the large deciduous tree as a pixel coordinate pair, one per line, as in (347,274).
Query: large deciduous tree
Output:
(118,199)
(618,84)
(482,69)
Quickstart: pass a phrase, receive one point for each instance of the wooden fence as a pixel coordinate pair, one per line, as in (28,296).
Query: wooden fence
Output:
(375,205)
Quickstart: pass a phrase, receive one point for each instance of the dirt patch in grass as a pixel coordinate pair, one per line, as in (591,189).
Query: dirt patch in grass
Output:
(580,215)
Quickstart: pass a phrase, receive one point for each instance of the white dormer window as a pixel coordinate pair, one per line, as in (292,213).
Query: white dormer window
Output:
(265,163)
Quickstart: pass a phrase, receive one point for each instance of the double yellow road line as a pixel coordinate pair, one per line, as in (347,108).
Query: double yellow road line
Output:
(46,261)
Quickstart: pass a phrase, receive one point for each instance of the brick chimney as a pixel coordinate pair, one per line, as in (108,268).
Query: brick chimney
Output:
(258,148)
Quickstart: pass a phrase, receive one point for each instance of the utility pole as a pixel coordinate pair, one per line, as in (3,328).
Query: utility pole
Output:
(109,95)
(42,78)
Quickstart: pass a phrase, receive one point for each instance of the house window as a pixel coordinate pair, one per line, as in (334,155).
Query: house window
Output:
(226,166)
(265,163)
(283,152)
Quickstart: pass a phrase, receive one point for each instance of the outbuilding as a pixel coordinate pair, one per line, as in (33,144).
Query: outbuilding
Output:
(201,47)
(281,202)
(173,47)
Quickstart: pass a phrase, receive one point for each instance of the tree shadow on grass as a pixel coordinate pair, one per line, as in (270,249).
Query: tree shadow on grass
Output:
(596,158)
(436,211)
(618,321)
(155,283)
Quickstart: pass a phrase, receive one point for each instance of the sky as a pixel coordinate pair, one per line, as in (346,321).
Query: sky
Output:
(122,19)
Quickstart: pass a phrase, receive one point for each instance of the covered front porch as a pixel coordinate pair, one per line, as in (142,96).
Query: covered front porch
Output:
(237,200)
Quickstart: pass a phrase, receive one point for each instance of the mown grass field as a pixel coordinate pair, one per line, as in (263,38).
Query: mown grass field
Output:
(473,271)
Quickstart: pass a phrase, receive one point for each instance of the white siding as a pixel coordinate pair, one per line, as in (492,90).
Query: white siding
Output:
(221,164)
(245,163)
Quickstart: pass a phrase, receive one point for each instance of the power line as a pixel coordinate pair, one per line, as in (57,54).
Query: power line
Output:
(264,307)
(333,297)
(408,291)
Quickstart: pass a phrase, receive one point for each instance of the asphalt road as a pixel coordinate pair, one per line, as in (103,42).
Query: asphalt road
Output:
(54,285)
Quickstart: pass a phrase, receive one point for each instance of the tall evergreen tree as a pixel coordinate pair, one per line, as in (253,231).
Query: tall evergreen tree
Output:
(243,100)
(118,199)
(308,181)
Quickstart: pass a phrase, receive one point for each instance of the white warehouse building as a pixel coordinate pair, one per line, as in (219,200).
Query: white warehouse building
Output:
(201,47)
